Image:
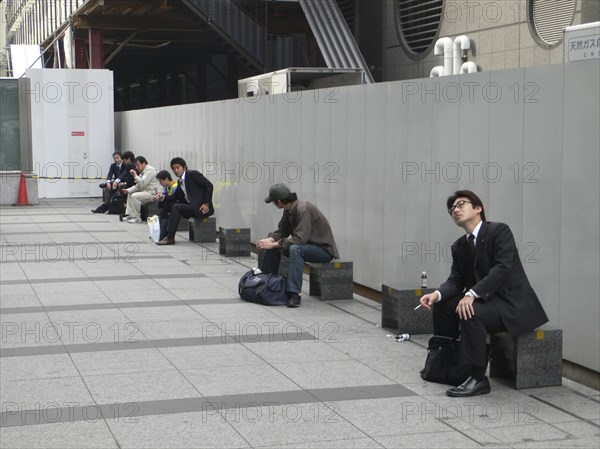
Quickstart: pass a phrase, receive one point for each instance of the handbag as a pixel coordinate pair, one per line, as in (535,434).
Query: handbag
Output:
(441,365)
(266,289)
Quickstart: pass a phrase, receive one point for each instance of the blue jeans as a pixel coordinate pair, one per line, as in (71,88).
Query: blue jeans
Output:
(299,253)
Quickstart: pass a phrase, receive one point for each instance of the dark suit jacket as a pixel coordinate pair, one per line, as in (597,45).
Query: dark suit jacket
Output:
(198,189)
(499,277)
(125,176)
(114,172)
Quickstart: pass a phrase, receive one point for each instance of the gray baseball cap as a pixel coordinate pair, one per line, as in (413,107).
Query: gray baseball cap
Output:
(278,192)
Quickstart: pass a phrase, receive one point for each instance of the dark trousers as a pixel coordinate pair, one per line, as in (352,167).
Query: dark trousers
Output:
(183,210)
(269,260)
(472,332)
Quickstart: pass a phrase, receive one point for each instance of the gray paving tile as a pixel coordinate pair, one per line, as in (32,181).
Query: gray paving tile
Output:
(16,301)
(182,430)
(293,424)
(289,351)
(172,313)
(579,429)
(367,348)
(43,394)
(16,289)
(355,443)
(36,367)
(332,374)
(227,380)
(118,362)
(76,435)
(441,440)
(133,387)
(570,402)
(527,433)
(232,356)
(404,370)
(80,286)
(64,301)
(393,416)
(21,330)
(196,293)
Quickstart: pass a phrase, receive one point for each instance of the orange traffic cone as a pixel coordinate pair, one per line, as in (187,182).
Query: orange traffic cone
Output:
(22,198)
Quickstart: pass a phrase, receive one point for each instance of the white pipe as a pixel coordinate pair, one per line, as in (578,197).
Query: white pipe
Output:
(444,46)
(463,43)
(436,71)
(468,67)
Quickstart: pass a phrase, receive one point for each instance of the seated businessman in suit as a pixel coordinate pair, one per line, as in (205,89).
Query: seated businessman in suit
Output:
(113,174)
(487,290)
(193,198)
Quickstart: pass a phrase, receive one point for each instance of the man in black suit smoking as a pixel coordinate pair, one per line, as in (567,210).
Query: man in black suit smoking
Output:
(193,198)
(487,290)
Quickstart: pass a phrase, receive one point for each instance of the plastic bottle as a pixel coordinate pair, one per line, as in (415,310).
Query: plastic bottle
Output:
(424,279)
(402,337)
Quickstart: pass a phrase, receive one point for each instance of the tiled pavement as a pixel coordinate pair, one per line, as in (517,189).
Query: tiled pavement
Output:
(111,341)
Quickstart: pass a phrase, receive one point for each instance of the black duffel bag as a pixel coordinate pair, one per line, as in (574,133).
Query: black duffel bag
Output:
(441,365)
(266,289)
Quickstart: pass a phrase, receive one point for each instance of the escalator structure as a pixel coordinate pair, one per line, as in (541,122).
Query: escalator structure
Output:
(336,42)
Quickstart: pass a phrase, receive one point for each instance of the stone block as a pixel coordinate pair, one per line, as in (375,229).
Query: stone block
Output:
(398,310)
(234,242)
(149,209)
(530,360)
(202,230)
(331,280)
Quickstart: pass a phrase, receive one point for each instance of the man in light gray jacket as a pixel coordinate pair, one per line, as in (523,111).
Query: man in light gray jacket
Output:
(145,187)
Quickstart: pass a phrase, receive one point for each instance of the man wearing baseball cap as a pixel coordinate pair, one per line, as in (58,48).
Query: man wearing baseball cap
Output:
(303,234)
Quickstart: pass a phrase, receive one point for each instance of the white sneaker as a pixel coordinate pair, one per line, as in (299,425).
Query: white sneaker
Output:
(134,220)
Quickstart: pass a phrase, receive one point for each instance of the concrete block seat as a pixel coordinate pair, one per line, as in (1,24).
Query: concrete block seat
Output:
(202,230)
(332,280)
(530,360)
(234,242)
(398,310)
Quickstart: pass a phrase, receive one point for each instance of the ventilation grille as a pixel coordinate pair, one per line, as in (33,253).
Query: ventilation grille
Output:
(549,18)
(417,22)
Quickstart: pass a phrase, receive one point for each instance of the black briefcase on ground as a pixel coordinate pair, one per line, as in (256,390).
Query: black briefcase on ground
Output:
(441,365)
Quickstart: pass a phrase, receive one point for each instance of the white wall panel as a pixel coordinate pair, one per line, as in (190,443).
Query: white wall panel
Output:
(541,180)
(72,129)
(394,189)
(377,207)
(580,218)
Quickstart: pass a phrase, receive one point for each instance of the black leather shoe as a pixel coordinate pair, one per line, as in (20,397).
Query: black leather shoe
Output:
(470,387)
(166,241)
(293,300)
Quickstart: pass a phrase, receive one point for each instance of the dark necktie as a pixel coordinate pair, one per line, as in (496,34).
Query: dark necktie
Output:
(470,261)
(472,245)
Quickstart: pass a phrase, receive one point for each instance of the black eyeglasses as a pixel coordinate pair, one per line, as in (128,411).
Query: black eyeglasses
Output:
(459,205)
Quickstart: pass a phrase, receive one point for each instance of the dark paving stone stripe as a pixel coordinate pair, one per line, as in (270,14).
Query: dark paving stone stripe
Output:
(252,405)
(119,243)
(104,278)
(68,258)
(119,305)
(221,338)
(77,231)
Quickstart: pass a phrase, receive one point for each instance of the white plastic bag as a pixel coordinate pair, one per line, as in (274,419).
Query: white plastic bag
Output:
(154,228)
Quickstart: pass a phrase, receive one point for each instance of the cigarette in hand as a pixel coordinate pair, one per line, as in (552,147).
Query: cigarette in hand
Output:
(417,306)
